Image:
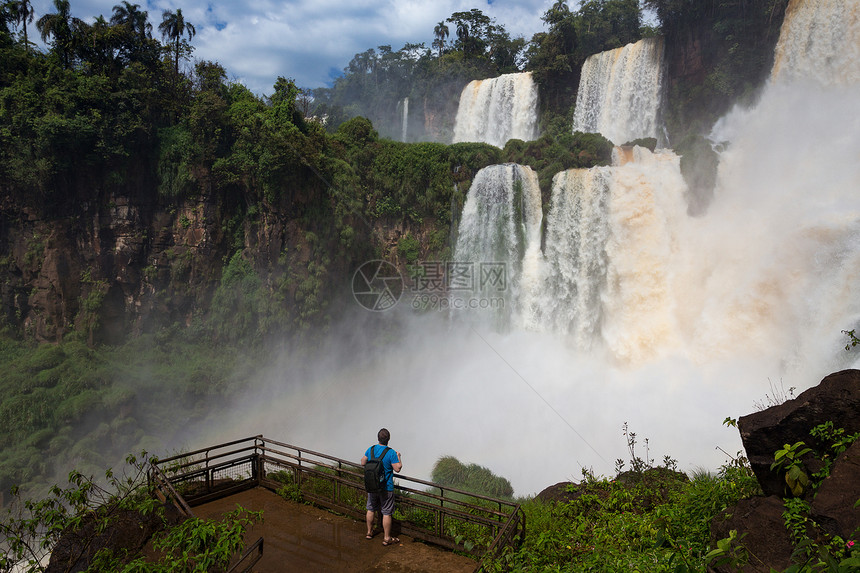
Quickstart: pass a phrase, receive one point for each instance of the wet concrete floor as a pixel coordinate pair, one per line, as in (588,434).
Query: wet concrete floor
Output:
(302,538)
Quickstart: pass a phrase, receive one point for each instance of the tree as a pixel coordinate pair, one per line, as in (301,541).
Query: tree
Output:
(441,32)
(474,29)
(556,14)
(462,33)
(22,13)
(130,15)
(607,24)
(134,34)
(98,45)
(173,26)
(61,27)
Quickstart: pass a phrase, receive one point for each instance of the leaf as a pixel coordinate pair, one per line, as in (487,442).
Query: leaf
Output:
(713,554)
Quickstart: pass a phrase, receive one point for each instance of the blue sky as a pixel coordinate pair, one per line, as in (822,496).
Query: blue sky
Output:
(310,41)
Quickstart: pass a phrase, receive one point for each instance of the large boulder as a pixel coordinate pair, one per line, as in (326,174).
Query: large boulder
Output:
(834,505)
(764,536)
(835,399)
(759,520)
(127,533)
(561,492)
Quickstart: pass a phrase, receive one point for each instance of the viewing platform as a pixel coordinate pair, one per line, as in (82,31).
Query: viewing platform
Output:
(316,521)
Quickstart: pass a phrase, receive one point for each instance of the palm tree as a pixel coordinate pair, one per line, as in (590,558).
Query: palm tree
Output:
(22,13)
(60,27)
(130,15)
(441,32)
(173,26)
(463,31)
(96,44)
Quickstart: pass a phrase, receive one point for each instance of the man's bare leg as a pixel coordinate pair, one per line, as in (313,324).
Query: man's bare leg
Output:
(386,526)
(369,519)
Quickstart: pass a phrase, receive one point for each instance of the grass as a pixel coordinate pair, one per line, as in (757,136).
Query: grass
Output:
(656,522)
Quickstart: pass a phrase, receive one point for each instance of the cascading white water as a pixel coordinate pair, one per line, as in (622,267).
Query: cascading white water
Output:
(668,322)
(649,281)
(498,109)
(813,43)
(575,256)
(404,119)
(500,224)
(619,92)
(609,239)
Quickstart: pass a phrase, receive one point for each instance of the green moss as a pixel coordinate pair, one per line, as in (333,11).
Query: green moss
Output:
(408,247)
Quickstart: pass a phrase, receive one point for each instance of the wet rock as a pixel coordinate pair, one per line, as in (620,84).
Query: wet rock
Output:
(764,536)
(561,492)
(833,507)
(128,531)
(836,399)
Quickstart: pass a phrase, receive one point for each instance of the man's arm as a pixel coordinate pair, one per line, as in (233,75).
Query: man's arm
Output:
(363,460)
(398,465)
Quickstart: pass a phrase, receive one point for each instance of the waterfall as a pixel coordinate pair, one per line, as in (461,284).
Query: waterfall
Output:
(575,254)
(625,269)
(404,118)
(499,226)
(632,310)
(619,92)
(498,109)
(819,40)
(607,257)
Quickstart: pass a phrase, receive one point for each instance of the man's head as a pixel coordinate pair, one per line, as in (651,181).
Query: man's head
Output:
(383,436)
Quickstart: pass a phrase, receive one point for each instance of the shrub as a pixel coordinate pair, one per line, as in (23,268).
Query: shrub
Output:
(448,471)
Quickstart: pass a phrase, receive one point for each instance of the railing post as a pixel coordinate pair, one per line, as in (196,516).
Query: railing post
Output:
(441,522)
(209,484)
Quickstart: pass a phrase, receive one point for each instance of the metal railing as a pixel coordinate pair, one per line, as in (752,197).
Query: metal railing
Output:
(252,554)
(193,475)
(451,518)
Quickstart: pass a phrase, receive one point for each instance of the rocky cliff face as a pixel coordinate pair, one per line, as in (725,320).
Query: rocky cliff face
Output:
(106,265)
(120,264)
(117,258)
(716,55)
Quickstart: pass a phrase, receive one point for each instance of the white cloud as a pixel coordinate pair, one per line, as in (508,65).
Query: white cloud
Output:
(307,39)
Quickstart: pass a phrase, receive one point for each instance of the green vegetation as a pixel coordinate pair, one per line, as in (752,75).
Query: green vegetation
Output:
(68,405)
(740,37)
(648,519)
(469,46)
(655,520)
(120,503)
(556,56)
(814,548)
(289,203)
(302,184)
(448,471)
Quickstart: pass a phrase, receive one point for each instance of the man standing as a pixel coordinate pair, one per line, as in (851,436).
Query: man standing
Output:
(383,500)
